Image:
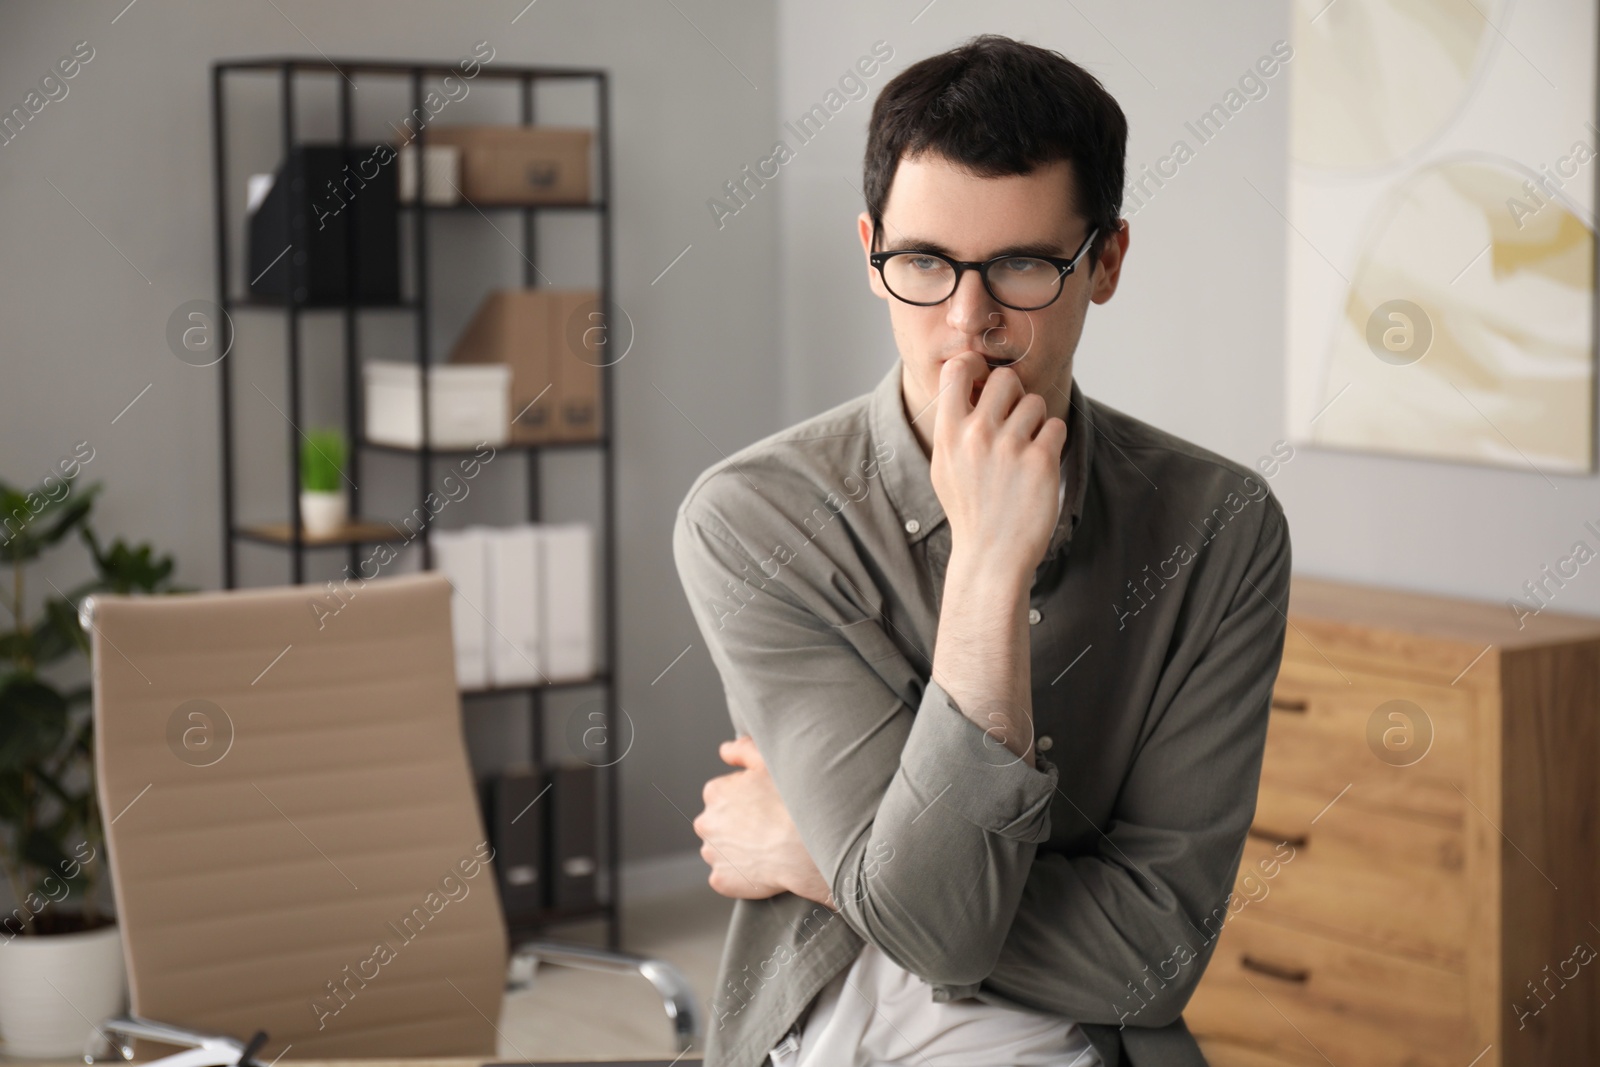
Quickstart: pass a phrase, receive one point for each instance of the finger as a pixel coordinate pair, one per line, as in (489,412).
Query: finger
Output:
(1027,418)
(955,387)
(743,752)
(1052,436)
(1000,394)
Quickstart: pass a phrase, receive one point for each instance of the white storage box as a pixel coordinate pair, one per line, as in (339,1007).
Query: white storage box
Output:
(441,174)
(469,404)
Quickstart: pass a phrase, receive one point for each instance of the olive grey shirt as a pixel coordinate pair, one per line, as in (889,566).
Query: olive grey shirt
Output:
(1092,885)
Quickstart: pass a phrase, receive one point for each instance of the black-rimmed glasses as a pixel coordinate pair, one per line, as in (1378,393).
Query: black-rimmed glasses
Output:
(1022,283)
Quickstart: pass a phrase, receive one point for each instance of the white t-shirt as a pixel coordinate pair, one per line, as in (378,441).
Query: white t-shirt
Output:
(875,1013)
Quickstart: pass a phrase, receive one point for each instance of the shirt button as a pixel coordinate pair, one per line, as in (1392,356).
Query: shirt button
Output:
(1044,743)
(1034,617)
(912,526)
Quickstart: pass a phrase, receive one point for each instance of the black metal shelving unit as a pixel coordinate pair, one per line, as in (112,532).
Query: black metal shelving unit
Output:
(289,537)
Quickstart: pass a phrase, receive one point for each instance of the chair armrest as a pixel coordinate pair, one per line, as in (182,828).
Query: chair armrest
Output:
(677,996)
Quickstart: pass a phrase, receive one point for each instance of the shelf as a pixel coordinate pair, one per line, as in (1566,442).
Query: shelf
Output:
(475,206)
(421,247)
(256,303)
(394,67)
(358,532)
(545,446)
(539,687)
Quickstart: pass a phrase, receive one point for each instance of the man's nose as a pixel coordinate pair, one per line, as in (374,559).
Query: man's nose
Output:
(971,306)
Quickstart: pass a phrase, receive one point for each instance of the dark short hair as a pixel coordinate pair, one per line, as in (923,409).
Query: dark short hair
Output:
(998,107)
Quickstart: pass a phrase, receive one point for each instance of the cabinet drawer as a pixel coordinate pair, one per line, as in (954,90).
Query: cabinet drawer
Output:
(1392,884)
(1279,992)
(1324,735)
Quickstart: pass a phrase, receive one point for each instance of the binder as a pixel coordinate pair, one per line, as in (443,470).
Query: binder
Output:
(459,556)
(316,196)
(523,611)
(514,580)
(574,815)
(515,816)
(568,603)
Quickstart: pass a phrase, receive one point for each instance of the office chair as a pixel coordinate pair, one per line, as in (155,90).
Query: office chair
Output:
(294,838)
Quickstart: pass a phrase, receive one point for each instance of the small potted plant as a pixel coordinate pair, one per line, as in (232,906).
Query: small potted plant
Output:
(324,507)
(57,932)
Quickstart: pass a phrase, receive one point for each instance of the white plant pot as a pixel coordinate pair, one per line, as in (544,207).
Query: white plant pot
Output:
(323,514)
(49,985)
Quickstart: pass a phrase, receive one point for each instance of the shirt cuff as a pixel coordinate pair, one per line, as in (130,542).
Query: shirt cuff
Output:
(951,760)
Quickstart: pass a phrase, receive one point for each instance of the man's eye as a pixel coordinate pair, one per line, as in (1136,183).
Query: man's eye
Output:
(1022,266)
(924,263)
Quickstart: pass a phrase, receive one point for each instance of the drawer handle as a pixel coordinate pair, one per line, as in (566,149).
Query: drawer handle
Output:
(1298,975)
(1263,834)
(1289,704)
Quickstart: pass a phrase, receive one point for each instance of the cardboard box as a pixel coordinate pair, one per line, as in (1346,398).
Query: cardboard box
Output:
(520,164)
(581,350)
(554,343)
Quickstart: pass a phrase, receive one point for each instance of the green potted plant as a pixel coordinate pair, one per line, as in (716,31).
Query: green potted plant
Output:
(51,843)
(324,507)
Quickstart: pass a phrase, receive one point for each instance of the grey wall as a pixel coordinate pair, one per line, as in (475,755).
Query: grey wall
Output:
(1193,340)
(91,269)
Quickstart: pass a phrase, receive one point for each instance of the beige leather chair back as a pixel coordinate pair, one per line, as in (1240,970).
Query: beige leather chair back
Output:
(293,836)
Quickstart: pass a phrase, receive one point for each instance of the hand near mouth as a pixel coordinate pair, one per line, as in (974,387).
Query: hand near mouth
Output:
(996,464)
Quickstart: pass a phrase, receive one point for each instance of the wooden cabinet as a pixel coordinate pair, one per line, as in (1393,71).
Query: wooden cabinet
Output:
(1421,885)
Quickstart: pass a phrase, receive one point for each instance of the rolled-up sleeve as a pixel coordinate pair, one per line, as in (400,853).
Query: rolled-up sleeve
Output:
(1121,935)
(924,828)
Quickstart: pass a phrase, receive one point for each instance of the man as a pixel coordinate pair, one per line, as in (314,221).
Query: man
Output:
(1000,657)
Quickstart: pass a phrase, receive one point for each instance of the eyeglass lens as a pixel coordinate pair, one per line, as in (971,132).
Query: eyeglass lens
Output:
(923,279)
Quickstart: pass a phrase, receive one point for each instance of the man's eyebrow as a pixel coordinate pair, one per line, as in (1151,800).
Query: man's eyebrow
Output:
(1031,248)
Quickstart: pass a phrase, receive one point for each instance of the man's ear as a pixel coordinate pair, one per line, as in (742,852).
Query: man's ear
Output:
(874,280)
(1108,266)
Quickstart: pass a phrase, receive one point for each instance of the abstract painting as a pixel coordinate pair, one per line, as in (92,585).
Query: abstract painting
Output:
(1441,297)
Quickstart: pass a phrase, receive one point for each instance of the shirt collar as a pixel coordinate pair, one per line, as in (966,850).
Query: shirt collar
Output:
(907,474)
